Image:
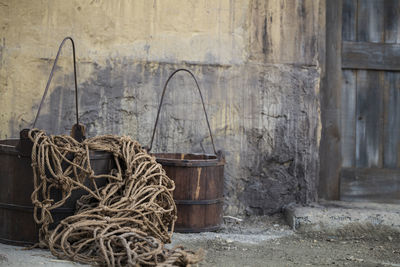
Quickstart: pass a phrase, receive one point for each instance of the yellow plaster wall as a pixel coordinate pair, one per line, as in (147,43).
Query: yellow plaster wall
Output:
(256,59)
(156,31)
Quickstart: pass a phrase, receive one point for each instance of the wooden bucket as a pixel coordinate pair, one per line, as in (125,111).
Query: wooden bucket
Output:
(199,181)
(17,225)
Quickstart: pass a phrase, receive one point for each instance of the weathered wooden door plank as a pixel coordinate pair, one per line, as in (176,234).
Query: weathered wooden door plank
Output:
(374,56)
(391,147)
(349,15)
(370,21)
(369,119)
(348,117)
(377,185)
(391,21)
(349,85)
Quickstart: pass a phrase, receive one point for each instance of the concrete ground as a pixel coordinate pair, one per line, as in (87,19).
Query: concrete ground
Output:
(314,236)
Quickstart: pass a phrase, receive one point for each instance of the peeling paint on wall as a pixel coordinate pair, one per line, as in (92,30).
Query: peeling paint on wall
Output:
(256,62)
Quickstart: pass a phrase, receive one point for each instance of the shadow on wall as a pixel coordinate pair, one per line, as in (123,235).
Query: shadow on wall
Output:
(281,160)
(264,117)
(58,113)
(99,99)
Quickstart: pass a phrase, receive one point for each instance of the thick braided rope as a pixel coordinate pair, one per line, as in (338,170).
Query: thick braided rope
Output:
(125,222)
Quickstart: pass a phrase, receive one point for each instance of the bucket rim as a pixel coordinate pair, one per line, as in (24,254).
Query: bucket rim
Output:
(188,159)
(12,149)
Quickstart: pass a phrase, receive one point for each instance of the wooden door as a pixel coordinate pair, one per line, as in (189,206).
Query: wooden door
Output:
(368,99)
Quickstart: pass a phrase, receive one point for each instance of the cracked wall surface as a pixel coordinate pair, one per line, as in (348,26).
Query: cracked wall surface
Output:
(256,61)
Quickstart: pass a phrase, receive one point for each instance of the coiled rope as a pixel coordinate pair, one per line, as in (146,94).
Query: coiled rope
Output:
(122,223)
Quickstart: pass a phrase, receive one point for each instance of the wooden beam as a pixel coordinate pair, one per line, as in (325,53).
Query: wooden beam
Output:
(330,149)
(375,185)
(373,56)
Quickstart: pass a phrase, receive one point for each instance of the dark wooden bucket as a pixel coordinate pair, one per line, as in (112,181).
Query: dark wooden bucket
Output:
(17,226)
(199,181)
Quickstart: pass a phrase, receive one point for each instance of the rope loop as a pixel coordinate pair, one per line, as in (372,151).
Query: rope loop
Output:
(119,223)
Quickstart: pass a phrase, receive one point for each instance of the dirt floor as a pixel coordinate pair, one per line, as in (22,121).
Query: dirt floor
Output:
(268,241)
(301,251)
(261,241)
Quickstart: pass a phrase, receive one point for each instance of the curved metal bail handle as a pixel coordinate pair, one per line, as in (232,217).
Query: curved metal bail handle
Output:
(202,102)
(51,77)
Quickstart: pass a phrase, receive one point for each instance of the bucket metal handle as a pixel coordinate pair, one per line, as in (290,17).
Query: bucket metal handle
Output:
(202,102)
(77,130)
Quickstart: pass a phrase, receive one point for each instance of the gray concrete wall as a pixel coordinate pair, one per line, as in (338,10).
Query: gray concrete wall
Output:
(256,61)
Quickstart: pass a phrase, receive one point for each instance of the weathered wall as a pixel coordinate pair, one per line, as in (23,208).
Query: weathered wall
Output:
(256,61)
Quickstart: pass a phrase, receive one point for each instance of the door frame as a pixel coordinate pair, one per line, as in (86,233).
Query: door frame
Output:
(330,100)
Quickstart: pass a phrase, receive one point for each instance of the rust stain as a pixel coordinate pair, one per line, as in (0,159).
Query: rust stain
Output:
(198,183)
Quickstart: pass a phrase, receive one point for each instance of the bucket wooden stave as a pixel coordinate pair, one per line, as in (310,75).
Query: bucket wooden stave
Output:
(17,226)
(199,180)
(199,189)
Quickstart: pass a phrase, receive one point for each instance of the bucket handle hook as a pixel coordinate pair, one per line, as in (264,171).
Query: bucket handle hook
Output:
(77,130)
(202,102)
